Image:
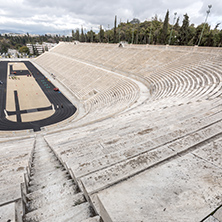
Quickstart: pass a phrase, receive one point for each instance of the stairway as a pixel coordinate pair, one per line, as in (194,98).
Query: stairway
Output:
(52,193)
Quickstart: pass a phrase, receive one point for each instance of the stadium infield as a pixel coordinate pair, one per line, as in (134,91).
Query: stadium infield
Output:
(27,98)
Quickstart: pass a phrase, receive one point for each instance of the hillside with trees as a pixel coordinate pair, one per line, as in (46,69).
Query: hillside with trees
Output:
(154,32)
(19,42)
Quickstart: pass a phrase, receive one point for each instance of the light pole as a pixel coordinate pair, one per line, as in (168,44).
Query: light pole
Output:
(208,12)
(174,19)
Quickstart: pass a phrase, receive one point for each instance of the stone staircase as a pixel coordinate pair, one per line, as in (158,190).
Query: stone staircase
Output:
(52,194)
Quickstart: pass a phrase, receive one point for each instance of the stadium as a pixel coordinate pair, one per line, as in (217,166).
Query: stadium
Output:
(130,133)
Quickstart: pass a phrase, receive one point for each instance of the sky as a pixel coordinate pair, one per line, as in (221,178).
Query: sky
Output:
(62,16)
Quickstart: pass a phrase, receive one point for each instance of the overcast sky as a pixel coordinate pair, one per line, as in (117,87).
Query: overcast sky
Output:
(56,16)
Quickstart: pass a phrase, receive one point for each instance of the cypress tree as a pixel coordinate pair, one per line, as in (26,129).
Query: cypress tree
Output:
(73,34)
(177,26)
(184,31)
(91,35)
(82,39)
(101,34)
(114,34)
(77,35)
(165,28)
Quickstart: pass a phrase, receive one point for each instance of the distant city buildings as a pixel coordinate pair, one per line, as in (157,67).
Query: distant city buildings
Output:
(47,46)
(34,50)
(19,34)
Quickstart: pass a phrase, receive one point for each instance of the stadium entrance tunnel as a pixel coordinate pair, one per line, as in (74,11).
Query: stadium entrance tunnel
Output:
(28,99)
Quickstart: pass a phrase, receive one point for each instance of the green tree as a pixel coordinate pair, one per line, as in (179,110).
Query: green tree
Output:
(217,38)
(164,31)
(82,37)
(143,35)
(209,39)
(191,34)
(136,36)
(220,39)
(177,26)
(73,34)
(197,34)
(76,35)
(92,36)
(24,49)
(4,46)
(101,33)
(183,35)
(114,31)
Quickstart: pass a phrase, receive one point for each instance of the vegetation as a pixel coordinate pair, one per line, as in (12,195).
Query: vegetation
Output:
(164,30)
(148,32)
(24,49)
(155,32)
(19,42)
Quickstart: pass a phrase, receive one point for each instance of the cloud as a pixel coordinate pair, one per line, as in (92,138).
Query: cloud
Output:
(56,15)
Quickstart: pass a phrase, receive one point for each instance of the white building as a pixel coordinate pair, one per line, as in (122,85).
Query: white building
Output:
(35,47)
(40,48)
(47,45)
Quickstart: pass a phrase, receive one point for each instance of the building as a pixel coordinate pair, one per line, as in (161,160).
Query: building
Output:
(48,45)
(38,49)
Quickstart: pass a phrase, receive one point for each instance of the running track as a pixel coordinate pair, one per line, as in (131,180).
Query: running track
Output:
(56,98)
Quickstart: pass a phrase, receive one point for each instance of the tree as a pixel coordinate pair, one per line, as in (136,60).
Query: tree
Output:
(177,26)
(24,49)
(143,34)
(82,37)
(76,35)
(184,31)
(114,34)
(197,34)
(164,31)
(4,46)
(136,36)
(73,34)
(92,34)
(101,33)
(122,35)
(217,37)
(217,25)
(220,38)
(210,39)
(191,34)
